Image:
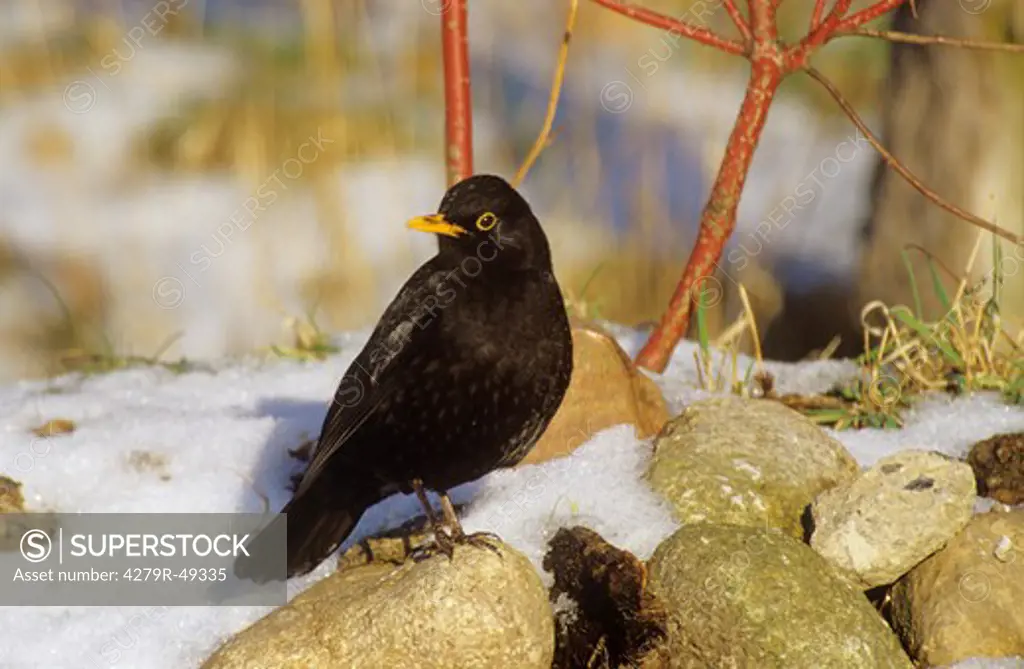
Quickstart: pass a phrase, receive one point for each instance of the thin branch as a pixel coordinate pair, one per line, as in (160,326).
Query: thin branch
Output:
(738,20)
(819,10)
(870,14)
(823,32)
(556,91)
(458,102)
(910,38)
(892,162)
(698,33)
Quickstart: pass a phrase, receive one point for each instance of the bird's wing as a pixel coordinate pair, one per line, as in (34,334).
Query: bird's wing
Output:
(374,374)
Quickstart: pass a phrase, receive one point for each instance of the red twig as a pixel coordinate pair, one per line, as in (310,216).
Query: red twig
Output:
(823,32)
(738,20)
(698,33)
(719,217)
(819,10)
(869,14)
(798,56)
(458,103)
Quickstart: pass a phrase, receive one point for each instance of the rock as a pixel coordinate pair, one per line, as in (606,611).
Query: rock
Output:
(749,462)
(484,608)
(748,597)
(394,546)
(11,499)
(998,464)
(606,389)
(965,601)
(894,515)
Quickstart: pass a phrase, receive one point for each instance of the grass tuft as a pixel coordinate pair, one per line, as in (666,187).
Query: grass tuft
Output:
(754,380)
(968,350)
(310,342)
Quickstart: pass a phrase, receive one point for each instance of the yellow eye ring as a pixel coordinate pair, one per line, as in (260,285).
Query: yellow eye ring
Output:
(486,221)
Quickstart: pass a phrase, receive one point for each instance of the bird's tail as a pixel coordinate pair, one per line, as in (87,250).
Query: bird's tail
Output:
(315,527)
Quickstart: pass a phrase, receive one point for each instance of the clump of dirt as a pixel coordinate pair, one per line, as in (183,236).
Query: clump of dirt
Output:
(998,464)
(606,618)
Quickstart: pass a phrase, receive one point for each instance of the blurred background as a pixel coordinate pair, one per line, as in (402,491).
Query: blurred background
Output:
(180,177)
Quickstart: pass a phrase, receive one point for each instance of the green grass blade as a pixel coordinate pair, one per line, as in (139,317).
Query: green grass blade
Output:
(940,291)
(997,272)
(913,281)
(925,332)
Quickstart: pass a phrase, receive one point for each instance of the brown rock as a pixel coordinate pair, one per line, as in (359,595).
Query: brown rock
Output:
(11,500)
(606,389)
(394,546)
(998,464)
(481,609)
(965,600)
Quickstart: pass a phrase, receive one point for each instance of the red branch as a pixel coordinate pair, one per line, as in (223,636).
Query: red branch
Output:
(823,32)
(819,9)
(702,35)
(719,217)
(738,20)
(770,63)
(869,14)
(458,104)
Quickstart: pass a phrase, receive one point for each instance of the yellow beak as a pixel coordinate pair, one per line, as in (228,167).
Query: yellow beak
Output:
(437,224)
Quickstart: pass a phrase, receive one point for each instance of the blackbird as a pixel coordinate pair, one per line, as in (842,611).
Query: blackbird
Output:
(461,375)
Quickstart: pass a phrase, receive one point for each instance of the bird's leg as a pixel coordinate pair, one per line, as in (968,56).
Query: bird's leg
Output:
(448,509)
(459,536)
(441,537)
(421,495)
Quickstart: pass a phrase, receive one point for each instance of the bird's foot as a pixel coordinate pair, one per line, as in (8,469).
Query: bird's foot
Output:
(486,540)
(445,543)
(442,543)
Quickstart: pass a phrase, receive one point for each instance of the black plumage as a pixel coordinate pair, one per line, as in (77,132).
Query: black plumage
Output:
(461,375)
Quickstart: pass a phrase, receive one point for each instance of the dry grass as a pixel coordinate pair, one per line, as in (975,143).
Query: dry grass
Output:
(970,349)
(309,341)
(754,381)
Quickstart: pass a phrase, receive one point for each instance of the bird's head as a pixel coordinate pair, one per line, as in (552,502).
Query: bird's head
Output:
(485,216)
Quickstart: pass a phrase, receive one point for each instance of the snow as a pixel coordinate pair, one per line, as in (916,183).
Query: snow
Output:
(220,439)
(989,663)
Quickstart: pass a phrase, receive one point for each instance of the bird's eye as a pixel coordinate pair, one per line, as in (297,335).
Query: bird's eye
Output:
(486,221)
